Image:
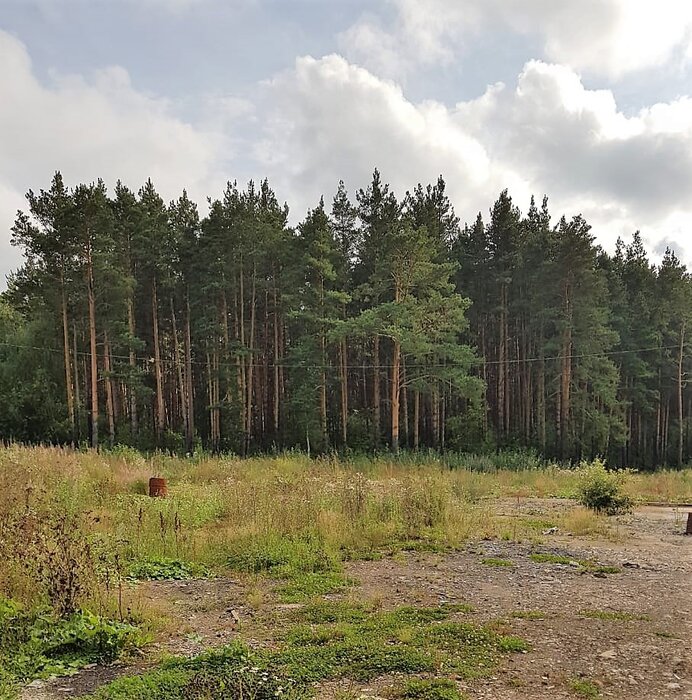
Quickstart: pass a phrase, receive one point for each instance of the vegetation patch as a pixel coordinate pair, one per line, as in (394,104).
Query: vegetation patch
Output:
(551,559)
(427,689)
(335,640)
(37,644)
(528,615)
(613,615)
(491,561)
(601,490)
(588,565)
(161,569)
(584,688)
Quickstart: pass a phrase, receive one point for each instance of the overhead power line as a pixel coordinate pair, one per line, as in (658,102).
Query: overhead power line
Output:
(473,362)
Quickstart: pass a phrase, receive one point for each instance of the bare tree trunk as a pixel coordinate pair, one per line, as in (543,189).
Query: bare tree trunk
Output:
(681,387)
(277,397)
(68,360)
(179,370)
(416,419)
(343,365)
(91,299)
(404,402)
(77,396)
(134,421)
(189,398)
(251,362)
(160,413)
(395,389)
(376,390)
(110,402)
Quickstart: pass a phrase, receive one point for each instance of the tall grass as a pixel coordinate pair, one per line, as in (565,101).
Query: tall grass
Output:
(221,508)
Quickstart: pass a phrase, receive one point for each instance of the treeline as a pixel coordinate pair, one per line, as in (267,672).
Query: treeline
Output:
(377,323)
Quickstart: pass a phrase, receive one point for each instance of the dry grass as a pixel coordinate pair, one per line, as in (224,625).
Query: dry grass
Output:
(218,506)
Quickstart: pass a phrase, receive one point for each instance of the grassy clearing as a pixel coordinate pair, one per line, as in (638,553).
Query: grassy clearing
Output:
(77,530)
(338,640)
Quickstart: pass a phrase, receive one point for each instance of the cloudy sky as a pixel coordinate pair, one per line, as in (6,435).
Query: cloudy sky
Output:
(588,101)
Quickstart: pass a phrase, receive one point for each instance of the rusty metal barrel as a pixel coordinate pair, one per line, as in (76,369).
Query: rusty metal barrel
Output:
(158,488)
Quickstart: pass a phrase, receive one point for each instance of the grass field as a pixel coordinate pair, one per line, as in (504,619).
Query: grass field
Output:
(77,531)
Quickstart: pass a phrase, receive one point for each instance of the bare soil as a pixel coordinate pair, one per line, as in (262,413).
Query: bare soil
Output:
(645,657)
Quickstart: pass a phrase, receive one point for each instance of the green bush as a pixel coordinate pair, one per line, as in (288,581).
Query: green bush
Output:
(601,490)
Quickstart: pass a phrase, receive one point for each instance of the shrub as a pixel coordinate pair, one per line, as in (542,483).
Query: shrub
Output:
(601,490)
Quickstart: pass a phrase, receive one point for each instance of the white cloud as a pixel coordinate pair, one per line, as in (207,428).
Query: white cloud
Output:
(100,127)
(602,37)
(548,134)
(334,120)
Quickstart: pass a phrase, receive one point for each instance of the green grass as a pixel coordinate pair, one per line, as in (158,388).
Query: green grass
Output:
(427,689)
(584,564)
(584,688)
(336,640)
(491,561)
(614,615)
(550,559)
(529,615)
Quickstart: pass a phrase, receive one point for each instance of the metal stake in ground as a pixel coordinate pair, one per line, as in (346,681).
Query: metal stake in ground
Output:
(689,524)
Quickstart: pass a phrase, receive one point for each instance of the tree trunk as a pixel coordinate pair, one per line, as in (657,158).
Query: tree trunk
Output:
(681,387)
(395,389)
(91,299)
(68,359)
(110,403)
(376,391)
(251,362)
(416,419)
(189,398)
(277,396)
(180,375)
(404,402)
(77,394)
(134,421)
(343,366)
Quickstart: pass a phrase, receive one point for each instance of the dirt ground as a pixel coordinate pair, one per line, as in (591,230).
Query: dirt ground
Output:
(645,657)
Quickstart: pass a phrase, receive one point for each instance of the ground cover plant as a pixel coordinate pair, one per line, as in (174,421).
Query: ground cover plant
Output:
(78,538)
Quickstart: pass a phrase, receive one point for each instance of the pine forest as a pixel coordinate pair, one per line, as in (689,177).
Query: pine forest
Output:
(380,322)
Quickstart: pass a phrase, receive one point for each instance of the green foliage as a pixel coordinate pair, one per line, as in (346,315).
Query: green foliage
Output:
(550,559)
(36,644)
(491,561)
(303,585)
(161,569)
(427,689)
(612,615)
(584,688)
(601,490)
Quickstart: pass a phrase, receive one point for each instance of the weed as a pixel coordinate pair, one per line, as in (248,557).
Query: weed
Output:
(427,689)
(38,645)
(584,688)
(529,614)
(550,559)
(162,569)
(491,561)
(616,615)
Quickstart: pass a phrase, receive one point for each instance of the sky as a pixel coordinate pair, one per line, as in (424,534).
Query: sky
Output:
(587,101)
